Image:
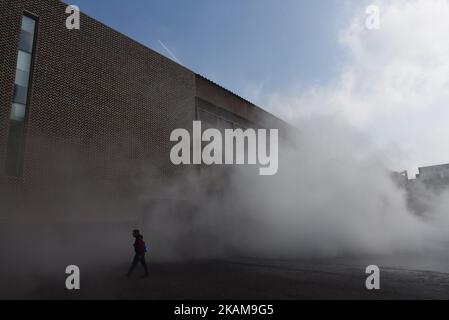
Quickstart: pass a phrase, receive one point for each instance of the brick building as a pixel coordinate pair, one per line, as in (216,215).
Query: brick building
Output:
(86,115)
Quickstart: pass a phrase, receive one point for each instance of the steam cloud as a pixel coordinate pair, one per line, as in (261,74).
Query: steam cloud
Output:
(333,196)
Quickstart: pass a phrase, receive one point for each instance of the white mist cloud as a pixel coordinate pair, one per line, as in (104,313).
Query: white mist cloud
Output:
(394,84)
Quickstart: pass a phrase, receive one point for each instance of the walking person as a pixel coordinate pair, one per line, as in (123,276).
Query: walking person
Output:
(140,249)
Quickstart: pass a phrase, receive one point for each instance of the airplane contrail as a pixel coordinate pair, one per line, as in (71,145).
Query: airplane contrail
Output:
(169,52)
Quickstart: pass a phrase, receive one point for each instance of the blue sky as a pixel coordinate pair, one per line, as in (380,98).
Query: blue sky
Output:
(303,59)
(242,45)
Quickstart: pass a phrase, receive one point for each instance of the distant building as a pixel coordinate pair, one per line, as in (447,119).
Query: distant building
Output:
(429,182)
(437,175)
(400,178)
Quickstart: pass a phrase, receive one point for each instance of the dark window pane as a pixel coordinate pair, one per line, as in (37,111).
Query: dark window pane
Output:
(208,118)
(15,146)
(224,124)
(22,78)
(20,94)
(26,41)
(238,126)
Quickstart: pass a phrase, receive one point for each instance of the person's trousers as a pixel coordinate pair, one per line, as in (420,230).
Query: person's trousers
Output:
(136,260)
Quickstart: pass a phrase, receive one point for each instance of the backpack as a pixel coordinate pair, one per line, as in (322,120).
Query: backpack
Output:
(141,246)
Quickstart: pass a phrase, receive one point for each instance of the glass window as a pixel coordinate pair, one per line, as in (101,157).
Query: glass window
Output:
(24,61)
(22,78)
(18,112)
(28,24)
(225,124)
(20,94)
(208,119)
(16,139)
(26,41)
(238,126)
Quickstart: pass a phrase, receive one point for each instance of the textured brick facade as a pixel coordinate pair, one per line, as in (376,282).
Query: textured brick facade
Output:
(101,110)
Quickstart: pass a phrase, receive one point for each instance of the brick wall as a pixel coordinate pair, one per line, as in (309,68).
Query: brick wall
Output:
(101,110)
(213,94)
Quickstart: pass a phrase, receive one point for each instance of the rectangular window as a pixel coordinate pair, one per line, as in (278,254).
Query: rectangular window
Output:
(16,139)
(24,61)
(27,34)
(208,119)
(225,124)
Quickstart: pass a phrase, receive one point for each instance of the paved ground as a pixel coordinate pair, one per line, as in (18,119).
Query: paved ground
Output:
(238,278)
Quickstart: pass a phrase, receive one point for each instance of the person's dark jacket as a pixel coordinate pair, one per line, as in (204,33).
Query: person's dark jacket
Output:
(139,246)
